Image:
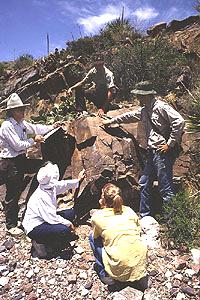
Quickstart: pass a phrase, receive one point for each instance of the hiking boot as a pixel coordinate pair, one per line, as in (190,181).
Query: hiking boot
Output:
(144,283)
(107,280)
(15,231)
(38,250)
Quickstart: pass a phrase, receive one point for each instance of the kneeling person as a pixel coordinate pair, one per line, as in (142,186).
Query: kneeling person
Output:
(102,91)
(116,244)
(41,222)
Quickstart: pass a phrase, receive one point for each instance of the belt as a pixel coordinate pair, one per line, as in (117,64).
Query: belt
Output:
(16,157)
(150,150)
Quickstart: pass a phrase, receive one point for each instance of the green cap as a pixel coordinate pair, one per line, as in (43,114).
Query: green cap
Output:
(144,88)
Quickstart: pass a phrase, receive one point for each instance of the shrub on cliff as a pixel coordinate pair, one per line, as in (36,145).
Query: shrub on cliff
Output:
(2,68)
(194,109)
(156,60)
(23,61)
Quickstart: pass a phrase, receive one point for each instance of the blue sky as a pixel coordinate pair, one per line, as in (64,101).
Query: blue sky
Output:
(25,23)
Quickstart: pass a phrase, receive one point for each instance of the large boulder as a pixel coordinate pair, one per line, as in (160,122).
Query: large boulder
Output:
(156,29)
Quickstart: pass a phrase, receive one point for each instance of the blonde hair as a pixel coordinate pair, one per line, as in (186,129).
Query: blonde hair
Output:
(111,196)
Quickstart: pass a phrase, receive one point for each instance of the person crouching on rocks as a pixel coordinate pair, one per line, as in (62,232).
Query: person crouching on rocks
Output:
(47,228)
(119,252)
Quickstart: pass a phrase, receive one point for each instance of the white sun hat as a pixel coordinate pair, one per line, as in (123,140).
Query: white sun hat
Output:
(14,101)
(48,176)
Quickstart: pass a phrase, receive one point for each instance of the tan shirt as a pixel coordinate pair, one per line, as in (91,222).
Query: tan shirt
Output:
(101,78)
(166,118)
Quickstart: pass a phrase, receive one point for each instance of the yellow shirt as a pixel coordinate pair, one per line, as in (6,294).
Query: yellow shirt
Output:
(124,255)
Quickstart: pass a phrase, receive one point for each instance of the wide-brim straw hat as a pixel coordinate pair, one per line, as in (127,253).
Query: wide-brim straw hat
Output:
(144,88)
(14,101)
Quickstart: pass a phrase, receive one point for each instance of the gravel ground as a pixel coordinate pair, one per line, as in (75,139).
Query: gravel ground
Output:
(172,275)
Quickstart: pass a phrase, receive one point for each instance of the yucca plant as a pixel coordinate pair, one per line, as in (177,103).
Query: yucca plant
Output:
(197,5)
(194,112)
(23,61)
(119,29)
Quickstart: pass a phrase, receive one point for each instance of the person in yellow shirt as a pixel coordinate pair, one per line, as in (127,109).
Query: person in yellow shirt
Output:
(119,252)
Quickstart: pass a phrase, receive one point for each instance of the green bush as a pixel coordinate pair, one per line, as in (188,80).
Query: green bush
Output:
(156,60)
(194,110)
(23,61)
(82,47)
(118,31)
(197,5)
(59,112)
(183,220)
(2,68)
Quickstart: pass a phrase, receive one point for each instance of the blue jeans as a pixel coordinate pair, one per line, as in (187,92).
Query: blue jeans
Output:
(54,235)
(158,166)
(97,245)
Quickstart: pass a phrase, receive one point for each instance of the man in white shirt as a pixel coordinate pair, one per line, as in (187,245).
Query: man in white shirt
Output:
(14,163)
(102,91)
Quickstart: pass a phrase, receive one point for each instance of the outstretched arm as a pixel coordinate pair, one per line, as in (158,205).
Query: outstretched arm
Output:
(78,84)
(63,185)
(129,117)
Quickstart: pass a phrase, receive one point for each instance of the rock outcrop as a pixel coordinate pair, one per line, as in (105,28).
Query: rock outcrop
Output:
(184,34)
(108,155)
(41,82)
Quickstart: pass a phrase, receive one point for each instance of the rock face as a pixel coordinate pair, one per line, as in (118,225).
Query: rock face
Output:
(176,25)
(184,34)
(41,82)
(151,232)
(107,154)
(127,293)
(156,29)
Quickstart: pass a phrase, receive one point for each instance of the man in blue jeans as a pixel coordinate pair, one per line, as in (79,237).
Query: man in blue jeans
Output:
(163,128)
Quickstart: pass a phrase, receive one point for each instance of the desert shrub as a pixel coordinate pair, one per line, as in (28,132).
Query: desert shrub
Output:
(2,69)
(82,47)
(193,175)
(194,110)
(23,61)
(197,5)
(113,33)
(59,112)
(156,60)
(183,220)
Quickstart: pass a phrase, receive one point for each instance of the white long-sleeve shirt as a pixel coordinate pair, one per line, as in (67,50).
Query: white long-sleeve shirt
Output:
(42,205)
(13,136)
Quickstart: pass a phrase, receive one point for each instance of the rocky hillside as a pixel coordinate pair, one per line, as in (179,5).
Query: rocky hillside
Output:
(49,76)
(184,34)
(106,155)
